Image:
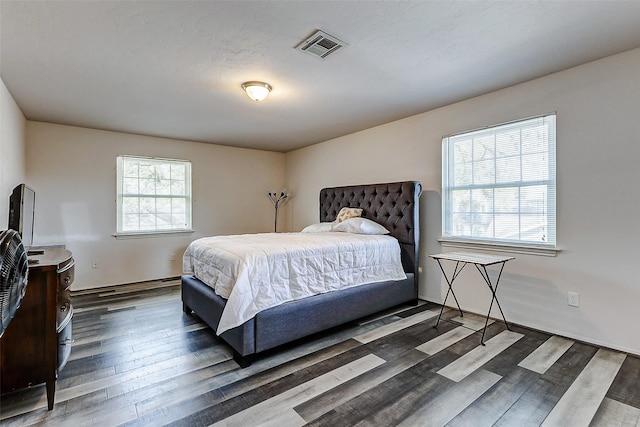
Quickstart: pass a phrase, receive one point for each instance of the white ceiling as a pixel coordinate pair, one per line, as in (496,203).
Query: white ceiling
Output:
(174,68)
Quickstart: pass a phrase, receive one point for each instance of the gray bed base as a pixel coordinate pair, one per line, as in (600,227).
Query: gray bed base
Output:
(295,319)
(394,205)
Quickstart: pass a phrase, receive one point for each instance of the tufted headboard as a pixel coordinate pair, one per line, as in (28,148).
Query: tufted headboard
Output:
(394,205)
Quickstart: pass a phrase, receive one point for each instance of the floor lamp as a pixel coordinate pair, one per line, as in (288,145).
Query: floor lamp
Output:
(277,199)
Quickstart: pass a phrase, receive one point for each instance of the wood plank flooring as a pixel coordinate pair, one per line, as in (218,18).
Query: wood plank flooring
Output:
(138,360)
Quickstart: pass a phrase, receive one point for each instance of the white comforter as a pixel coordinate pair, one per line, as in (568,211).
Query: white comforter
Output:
(258,271)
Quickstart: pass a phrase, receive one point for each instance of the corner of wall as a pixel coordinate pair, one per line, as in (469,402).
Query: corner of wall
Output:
(12,149)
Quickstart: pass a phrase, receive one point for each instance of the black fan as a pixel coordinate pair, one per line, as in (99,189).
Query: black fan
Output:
(14,268)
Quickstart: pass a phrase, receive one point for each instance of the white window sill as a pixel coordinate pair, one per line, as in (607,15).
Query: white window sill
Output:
(146,234)
(500,247)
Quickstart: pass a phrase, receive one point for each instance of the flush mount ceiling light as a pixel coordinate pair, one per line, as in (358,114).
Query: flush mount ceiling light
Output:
(257,90)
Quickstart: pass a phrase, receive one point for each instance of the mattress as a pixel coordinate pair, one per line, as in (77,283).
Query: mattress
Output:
(255,272)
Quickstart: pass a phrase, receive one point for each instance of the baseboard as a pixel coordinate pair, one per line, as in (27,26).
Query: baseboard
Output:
(130,287)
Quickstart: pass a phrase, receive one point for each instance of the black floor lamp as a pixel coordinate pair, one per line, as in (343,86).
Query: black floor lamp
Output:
(277,199)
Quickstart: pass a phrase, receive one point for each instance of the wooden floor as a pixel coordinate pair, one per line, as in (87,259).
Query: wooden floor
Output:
(139,360)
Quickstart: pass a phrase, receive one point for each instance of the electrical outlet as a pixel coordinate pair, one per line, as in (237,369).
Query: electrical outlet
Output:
(173,257)
(94,264)
(573,299)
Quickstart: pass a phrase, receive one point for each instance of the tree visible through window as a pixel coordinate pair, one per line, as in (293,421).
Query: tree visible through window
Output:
(153,195)
(498,183)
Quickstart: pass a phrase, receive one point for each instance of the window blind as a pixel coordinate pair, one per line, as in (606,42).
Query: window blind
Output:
(153,195)
(499,183)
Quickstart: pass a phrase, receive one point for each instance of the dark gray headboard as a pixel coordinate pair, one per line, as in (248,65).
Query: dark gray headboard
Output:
(394,205)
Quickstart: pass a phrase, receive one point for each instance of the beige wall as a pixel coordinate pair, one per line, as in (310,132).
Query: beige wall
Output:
(598,147)
(598,130)
(12,157)
(73,173)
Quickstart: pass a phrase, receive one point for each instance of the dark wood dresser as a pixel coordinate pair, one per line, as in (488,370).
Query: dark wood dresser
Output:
(37,342)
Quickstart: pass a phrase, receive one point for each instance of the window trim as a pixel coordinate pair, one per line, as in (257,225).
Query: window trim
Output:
(518,248)
(544,249)
(156,232)
(141,234)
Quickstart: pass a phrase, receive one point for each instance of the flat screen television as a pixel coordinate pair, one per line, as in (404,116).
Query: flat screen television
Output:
(22,205)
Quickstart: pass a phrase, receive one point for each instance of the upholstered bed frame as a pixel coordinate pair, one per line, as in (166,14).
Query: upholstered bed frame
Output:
(395,206)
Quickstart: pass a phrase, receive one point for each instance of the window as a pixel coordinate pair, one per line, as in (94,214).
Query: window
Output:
(154,195)
(498,184)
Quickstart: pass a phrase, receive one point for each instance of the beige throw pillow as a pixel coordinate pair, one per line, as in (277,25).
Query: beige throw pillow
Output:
(346,213)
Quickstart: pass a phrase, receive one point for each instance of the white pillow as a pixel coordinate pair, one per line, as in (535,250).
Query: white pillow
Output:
(322,227)
(360,226)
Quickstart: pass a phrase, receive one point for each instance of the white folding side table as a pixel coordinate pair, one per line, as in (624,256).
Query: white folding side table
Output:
(481,261)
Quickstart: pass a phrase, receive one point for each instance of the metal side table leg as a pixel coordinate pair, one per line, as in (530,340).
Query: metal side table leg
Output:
(455,274)
(485,275)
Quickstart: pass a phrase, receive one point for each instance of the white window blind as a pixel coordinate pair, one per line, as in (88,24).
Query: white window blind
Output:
(153,195)
(499,184)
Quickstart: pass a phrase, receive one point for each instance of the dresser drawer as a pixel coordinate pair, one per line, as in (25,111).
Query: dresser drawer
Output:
(66,274)
(64,345)
(64,310)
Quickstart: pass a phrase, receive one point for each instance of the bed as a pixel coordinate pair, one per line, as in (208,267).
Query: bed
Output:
(392,205)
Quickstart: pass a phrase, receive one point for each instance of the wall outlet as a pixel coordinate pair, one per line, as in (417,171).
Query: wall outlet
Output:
(573,299)
(94,264)
(173,257)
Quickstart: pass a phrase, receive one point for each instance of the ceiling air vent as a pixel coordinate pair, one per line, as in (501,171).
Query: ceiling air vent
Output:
(321,44)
